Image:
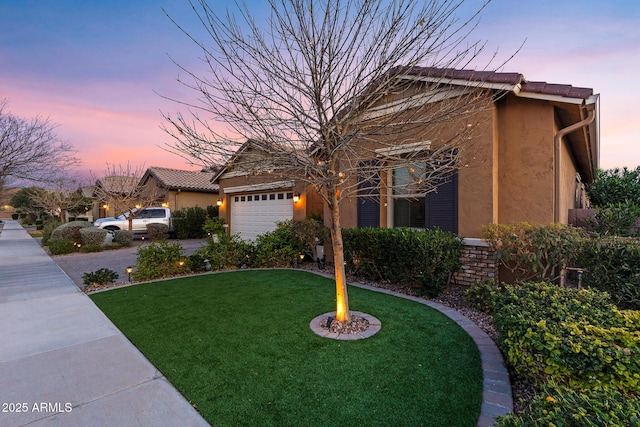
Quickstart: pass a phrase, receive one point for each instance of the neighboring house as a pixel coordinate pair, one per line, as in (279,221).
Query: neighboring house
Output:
(252,203)
(179,189)
(106,195)
(539,145)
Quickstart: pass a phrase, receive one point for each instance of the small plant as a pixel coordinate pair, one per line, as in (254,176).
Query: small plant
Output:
(277,248)
(61,247)
(123,238)
(157,232)
(481,295)
(161,259)
(101,277)
(47,228)
(90,248)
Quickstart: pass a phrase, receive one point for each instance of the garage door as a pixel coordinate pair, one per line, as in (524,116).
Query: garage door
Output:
(255,214)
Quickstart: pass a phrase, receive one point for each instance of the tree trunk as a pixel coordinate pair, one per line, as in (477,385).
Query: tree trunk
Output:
(342,298)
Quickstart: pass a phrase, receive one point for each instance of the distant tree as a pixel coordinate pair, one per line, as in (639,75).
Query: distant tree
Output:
(30,150)
(325,84)
(120,189)
(25,201)
(615,186)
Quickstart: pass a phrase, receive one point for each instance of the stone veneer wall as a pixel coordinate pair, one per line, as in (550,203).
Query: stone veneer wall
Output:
(478,263)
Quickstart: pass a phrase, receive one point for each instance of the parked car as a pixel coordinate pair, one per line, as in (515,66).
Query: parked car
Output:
(151,215)
(125,215)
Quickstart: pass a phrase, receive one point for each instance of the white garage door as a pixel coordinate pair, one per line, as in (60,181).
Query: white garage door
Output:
(255,214)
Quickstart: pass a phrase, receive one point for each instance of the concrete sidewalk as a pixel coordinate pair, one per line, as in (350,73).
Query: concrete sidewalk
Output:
(62,362)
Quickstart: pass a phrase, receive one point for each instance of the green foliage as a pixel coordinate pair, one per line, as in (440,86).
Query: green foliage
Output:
(615,186)
(612,265)
(212,211)
(420,258)
(481,295)
(562,406)
(102,277)
(214,226)
(197,263)
(123,237)
(91,248)
(25,201)
(70,231)
(47,228)
(62,246)
(309,233)
(533,252)
(617,219)
(92,236)
(226,251)
(188,223)
(158,260)
(277,248)
(573,337)
(157,231)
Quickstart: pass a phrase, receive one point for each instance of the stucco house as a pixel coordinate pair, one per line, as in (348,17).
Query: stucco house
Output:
(179,189)
(537,147)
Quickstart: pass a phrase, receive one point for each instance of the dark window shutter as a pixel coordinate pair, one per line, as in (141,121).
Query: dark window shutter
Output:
(442,206)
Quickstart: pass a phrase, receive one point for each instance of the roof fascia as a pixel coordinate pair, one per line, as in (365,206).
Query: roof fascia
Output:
(463,82)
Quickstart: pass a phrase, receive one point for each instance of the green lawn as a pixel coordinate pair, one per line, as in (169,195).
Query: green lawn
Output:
(239,347)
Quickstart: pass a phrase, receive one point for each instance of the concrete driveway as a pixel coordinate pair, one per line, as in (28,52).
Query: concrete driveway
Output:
(75,265)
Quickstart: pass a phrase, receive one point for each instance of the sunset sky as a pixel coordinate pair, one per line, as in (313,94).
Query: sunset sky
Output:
(96,68)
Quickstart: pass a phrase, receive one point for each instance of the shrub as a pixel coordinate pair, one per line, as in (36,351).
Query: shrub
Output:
(91,248)
(197,263)
(47,228)
(617,219)
(533,252)
(612,265)
(188,223)
(70,231)
(92,236)
(157,232)
(123,237)
(481,295)
(227,251)
(61,246)
(277,248)
(158,260)
(562,406)
(102,277)
(309,233)
(420,258)
(574,337)
(214,226)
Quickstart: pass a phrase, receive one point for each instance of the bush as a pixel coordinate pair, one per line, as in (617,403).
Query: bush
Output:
(309,233)
(573,337)
(47,228)
(92,236)
(102,277)
(481,295)
(561,406)
(420,258)
(616,219)
(157,232)
(158,260)
(533,252)
(123,237)
(612,265)
(214,226)
(277,248)
(61,246)
(226,251)
(188,223)
(91,248)
(197,263)
(70,231)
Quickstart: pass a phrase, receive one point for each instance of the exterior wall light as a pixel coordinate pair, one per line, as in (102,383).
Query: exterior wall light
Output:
(219,202)
(296,197)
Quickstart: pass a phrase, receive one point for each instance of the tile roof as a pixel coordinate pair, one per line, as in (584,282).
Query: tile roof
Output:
(176,179)
(542,88)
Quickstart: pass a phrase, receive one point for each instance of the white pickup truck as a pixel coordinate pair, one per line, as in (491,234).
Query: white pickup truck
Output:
(139,223)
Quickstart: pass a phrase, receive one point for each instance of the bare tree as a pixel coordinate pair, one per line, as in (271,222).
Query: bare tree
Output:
(30,150)
(121,191)
(63,196)
(339,93)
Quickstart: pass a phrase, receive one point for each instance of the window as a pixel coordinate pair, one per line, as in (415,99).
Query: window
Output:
(408,202)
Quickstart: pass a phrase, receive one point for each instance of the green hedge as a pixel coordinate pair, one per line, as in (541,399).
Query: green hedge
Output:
(277,248)
(573,337)
(62,247)
(123,237)
(188,223)
(612,265)
(158,260)
(92,236)
(424,259)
